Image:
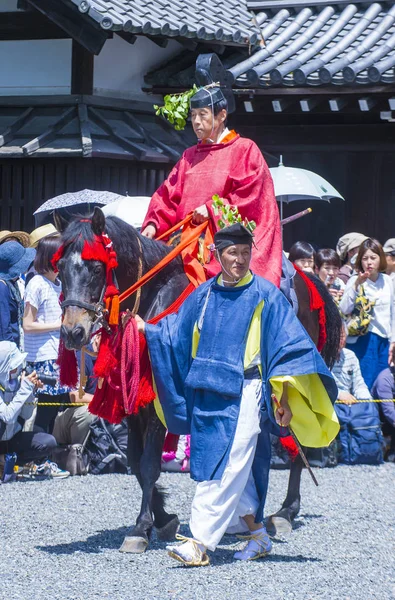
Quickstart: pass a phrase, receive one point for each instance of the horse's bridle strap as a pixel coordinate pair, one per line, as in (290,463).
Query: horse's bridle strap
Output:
(92,307)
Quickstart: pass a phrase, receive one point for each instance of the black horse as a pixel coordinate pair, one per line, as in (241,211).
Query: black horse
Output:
(85,281)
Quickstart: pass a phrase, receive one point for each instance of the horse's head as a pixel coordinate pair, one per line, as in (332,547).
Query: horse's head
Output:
(84,281)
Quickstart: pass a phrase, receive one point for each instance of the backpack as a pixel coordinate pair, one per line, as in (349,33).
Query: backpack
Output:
(107,447)
(361,440)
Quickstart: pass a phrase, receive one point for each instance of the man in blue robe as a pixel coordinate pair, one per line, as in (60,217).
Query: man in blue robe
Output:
(234,346)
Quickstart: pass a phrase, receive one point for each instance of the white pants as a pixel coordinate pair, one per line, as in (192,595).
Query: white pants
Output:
(219,505)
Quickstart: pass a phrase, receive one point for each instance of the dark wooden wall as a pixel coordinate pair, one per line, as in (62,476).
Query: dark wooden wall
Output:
(26,183)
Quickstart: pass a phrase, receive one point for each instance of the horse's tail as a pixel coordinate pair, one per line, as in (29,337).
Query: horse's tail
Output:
(333,322)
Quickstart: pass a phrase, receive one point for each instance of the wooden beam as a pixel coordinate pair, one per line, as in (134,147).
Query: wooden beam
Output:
(49,134)
(366,104)
(78,26)
(81,70)
(86,138)
(336,104)
(29,26)
(133,147)
(133,122)
(279,105)
(10,132)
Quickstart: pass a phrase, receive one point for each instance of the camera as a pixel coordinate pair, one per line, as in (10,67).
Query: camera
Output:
(43,377)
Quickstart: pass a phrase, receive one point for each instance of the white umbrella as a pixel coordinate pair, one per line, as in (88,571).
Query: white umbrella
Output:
(131,209)
(291,184)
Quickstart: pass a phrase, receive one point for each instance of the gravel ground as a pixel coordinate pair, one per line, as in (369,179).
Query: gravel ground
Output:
(59,540)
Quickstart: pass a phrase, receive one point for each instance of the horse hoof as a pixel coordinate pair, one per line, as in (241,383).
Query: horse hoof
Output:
(278,525)
(134,545)
(167,533)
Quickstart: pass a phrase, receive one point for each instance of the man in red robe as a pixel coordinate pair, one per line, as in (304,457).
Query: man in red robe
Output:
(226,164)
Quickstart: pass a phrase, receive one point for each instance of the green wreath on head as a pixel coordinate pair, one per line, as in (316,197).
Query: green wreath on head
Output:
(176,106)
(229,215)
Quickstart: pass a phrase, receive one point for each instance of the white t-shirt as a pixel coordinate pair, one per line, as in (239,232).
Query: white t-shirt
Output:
(43,295)
(381,292)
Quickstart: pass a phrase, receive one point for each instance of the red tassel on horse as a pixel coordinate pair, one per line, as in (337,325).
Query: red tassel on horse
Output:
(67,362)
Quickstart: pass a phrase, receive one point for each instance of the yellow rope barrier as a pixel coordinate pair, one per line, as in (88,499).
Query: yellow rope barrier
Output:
(368,400)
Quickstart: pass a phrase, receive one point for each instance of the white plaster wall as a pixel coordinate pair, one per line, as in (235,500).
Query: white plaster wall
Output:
(8,6)
(120,67)
(35,67)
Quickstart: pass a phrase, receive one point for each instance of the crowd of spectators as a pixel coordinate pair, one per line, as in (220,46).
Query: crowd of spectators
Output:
(359,274)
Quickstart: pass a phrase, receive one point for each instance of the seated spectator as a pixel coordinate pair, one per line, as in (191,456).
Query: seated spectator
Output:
(327,267)
(302,255)
(389,251)
(360,432)
(14,261)
(384,389)
(347,248)
(72,424)
(16,405)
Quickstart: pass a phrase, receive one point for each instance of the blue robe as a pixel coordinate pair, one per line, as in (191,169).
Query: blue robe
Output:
(202,395)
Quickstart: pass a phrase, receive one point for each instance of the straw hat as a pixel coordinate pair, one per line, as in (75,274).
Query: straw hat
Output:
(42,232)
(20,236)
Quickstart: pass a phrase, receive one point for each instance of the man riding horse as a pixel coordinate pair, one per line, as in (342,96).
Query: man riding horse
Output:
(226,164)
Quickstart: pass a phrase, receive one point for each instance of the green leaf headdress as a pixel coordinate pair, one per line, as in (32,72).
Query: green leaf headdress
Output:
(176,106)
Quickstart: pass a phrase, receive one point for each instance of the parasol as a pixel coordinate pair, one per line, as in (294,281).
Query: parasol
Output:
(131,209)
(73,204)
(291,184)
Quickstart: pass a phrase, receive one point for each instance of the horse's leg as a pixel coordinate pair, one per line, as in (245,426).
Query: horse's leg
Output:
(147,472)
(281,521)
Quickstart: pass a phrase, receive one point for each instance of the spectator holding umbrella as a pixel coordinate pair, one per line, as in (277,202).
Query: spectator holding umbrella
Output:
(370,297)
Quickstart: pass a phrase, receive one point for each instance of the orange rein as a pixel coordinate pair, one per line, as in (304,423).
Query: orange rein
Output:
(194,235)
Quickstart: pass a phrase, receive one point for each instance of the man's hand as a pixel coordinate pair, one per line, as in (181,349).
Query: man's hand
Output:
(200,214)
(391,354)
(149,231)
(346,398)
(283,412)
(140,324)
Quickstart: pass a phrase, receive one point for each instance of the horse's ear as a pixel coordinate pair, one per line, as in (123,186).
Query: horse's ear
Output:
(98,221)
(60,222)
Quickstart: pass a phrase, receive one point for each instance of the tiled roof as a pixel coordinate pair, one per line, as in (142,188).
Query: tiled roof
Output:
(221,21)
(81,129)
(322,45)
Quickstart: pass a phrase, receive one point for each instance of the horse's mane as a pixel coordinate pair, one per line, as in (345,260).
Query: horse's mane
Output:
(333,322)
(126,239)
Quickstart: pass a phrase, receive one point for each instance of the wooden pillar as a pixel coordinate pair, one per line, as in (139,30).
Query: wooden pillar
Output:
(81,70)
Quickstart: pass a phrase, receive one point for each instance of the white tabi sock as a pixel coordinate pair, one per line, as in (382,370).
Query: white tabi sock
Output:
(260,544)
(186,550)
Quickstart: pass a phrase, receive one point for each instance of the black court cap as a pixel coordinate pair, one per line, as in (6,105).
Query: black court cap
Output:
(207,97)
(231,235)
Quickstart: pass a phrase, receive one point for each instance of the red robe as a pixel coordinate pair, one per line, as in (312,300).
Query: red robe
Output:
(237,172)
